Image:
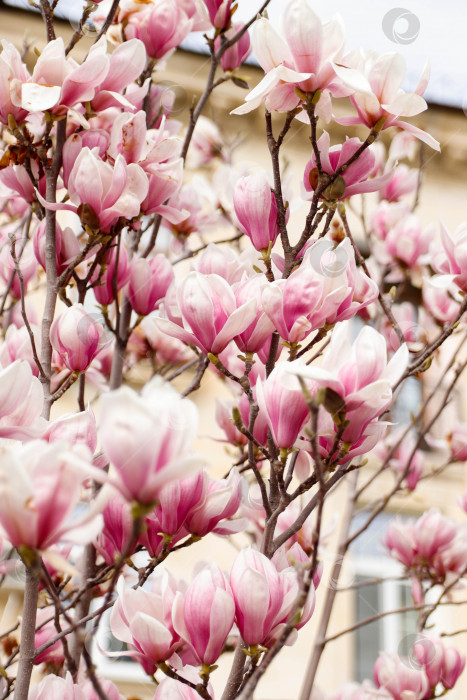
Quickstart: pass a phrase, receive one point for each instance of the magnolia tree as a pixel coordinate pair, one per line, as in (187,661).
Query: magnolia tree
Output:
(113,257)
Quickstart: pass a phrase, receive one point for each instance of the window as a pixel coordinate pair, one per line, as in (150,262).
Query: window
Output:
(392,633)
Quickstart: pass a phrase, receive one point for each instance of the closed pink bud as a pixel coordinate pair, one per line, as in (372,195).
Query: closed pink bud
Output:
(110,277)
(117,530)
(77,338)
(219,12)
(236,54)
(258,593)
(283,405)
(452,668)
(66,245)
(441,663)
(260,428)
(161,27)
(256,210)
(204,615)
(148,283)
(53,654)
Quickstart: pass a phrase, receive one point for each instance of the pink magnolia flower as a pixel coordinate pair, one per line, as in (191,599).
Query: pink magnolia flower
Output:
(441,664)
(401,454)
(111,275)
(283,406)
(76,337)
(403,181)
(386,216)
(170,689)
(433,547)
(27,265)
(303,60)
(149,280)
(256,210)
(359,374)
(66,245)
(75,428)
(253,338)
(56,688)
(15,179)
(224,421)
(13,73)
(58,82)
(53,654)
(378,97)
(117,530)
(391,673)
(221,502)
(355,179)
(207,143)
(148,447)
(178,499)
(209,313)
(441,297)
(17,346)
(126,63)
(40,485)
(452,260)
(163,185)
(326,288)
(161,25)
(408,321)
(109,688)
(408,241)
(219,12)
(236,54)
(145,620)
(205,613)
(109,192)
(225,262)
(264,597)
(21,402)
